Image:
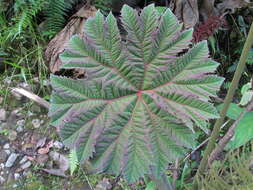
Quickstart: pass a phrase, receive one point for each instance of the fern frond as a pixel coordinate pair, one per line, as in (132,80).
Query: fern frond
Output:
(57,12)
(103,5)
(25,13)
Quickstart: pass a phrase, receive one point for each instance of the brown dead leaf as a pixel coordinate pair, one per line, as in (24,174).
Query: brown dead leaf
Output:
(46,149)
(186,11)
(231,5)
(57,45)
(31,158)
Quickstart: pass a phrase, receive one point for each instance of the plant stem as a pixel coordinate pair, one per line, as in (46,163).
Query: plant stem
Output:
(227,101)
(229,134)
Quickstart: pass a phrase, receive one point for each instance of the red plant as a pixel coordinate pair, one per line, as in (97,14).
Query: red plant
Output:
(206,29)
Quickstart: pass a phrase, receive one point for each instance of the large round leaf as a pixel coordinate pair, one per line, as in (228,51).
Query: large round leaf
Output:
(143,96)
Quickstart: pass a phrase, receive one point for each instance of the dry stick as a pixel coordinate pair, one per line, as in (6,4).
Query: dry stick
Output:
(175,173)
(227,101)
(31,96)
(230,133)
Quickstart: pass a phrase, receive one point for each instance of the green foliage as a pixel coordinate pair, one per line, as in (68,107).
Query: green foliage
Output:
(234,172)
(247,94)
(137,108)
(57,13)
(103,5)
(244,129)
(73,161)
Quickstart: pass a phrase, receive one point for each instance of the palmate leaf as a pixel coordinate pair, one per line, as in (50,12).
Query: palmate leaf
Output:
(143,97)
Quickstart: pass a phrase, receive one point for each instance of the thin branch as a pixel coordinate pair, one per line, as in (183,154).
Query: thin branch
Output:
(230,133)
(31,96)
(175,173)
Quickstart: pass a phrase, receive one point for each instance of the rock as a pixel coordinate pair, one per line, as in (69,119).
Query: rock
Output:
(12,158)
(20,125)
(2,180)
(12,135)
(21,122)
(58,144)
(3,156)
(7,151)
(3,115)
(26,165)
(20,129)
(36,123)
(23,160)
(16,176)
(7,146)
(2,166)
(2,140)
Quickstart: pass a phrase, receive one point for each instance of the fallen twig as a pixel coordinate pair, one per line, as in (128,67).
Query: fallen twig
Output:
(32,96)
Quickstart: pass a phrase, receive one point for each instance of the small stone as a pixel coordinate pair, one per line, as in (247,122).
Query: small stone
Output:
(12,135)
(3,115)
(36,123)
(58,144)
(3,156)
(7,151)
(21,122)
(2,180)
(20,129)
(16,176)
(12,158)
(2,166)
(26,165)
(23,160)
(6,146)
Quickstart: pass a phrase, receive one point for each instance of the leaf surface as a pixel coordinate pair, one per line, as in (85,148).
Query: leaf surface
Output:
(143,97)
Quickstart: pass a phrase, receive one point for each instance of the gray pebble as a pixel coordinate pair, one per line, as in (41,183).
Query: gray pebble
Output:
(3,115)
(6,146)
(7,151)
(2,180)
(12,158)
(16,176)
(23,160)
(26,165)
(3,156)
(58,144)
